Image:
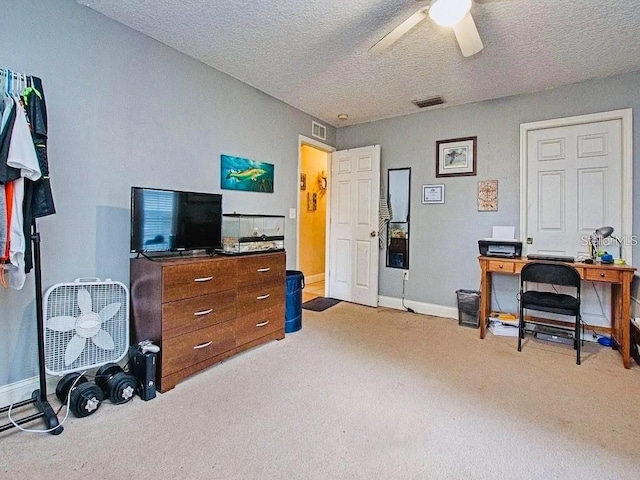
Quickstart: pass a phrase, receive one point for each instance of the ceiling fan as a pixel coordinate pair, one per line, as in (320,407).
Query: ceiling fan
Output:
(447,13)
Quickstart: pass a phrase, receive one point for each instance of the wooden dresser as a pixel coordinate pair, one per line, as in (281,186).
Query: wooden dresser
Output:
(201,310)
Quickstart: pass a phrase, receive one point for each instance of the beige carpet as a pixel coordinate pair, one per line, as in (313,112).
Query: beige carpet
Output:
(363,393)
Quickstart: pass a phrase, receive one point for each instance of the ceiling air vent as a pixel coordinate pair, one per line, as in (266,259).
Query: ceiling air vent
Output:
(428,102)
(318,131)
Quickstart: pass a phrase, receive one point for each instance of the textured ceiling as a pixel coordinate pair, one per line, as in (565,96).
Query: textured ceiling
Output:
(313,54)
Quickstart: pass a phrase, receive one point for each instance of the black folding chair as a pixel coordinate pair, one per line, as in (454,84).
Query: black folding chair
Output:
(554,273)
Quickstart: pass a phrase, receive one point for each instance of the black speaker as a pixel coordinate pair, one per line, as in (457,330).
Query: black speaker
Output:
(143,367)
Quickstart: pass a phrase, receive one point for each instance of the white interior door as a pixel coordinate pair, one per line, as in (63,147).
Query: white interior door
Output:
(574,186)
(353,228)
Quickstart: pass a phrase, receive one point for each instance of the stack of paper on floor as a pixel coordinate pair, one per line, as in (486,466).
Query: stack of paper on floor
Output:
(503,327)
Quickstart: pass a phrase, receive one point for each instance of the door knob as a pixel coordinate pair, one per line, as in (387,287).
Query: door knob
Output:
(373,234)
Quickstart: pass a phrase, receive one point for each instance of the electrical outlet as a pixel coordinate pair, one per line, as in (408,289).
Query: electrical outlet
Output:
(405,275)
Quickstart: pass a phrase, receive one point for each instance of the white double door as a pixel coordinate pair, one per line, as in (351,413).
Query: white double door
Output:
(575,175)
(574,186)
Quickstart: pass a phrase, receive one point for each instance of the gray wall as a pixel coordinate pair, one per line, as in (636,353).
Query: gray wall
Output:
(443,243)
(126,110)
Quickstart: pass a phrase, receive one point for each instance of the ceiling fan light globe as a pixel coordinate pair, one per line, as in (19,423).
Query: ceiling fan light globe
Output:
(447,13)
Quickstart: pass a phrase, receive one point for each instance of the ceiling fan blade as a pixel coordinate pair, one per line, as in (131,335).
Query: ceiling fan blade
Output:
(468,36)
(391,37)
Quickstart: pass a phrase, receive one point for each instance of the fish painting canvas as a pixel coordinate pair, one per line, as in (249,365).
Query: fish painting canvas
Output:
(237,173)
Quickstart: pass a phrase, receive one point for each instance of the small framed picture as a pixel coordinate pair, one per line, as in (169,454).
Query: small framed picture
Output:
(433,193)
(312,201)
(303,181)
(488,196)
(456,157)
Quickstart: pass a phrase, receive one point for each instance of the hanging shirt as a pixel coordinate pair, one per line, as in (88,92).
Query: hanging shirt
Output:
(22,153)
(22,156)
(7,173)
(7,196)
(15,264)
(38,198)
(3,220)
(7,119)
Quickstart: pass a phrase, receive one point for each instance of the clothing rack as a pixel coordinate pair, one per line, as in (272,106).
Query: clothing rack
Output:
(39,396)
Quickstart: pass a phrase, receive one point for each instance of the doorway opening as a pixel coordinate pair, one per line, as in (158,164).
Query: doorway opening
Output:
(313,217)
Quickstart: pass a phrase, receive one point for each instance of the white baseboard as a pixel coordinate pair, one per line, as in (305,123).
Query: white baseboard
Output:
(318,277)
(22,390)
(18,391)
(419,307)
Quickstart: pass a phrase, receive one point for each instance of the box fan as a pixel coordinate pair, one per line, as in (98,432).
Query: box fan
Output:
(86,326)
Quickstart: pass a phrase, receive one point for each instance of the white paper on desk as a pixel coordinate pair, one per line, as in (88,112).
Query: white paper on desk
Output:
(503,233)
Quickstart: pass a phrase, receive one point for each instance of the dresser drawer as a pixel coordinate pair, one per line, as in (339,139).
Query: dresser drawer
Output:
(501,266)
(194,347)
(197,278)
(259,297)
(263,268)
(602,275)
(258,324)
(184,316)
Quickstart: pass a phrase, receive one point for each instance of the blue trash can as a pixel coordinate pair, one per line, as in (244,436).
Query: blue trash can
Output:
(293,308)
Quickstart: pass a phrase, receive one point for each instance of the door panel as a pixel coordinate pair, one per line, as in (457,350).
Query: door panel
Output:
(551,202)
(364,202)
(591,198)
(343,201)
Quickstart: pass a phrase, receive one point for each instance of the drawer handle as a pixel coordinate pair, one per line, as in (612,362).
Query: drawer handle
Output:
(262,270)
(203,279)
(262,324)
(262,297)
(203,345)
(500,266)
(602,274)
(203,312)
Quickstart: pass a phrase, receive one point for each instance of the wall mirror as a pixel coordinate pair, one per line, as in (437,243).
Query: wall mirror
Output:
(398,195)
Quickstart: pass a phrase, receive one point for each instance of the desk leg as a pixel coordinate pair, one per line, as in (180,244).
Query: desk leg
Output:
(615,316)
(620,318)
(485,299)
(625,318)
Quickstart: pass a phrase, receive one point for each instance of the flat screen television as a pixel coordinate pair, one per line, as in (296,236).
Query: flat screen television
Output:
(174,221)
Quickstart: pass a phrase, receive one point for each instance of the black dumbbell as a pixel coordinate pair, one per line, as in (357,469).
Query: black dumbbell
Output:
(84,397)
(116,384)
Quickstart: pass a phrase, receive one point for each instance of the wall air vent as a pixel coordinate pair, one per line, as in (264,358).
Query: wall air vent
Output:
(318,131)
(428,102)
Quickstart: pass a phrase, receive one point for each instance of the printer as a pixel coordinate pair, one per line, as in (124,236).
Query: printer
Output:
(500,248)
(501,244)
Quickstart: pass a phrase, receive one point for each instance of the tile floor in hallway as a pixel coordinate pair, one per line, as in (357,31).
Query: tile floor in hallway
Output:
(312,290)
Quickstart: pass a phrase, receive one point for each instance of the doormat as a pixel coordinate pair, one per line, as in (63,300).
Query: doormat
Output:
(320,304)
